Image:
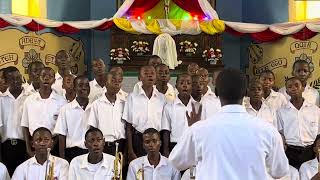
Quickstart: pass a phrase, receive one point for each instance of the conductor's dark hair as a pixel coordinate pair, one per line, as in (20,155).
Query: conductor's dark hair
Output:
(91,130)
(34,63)
(300,61)
(231,85)
(267,72)
(151,131)
(41,129)
(8,70)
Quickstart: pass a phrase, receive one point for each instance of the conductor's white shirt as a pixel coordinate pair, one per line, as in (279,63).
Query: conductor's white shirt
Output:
(81,169)
(232,145)
(163,171)
(32,170)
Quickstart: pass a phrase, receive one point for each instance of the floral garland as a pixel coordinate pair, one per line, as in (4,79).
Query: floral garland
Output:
(212,55)
(188,48)
(119,54)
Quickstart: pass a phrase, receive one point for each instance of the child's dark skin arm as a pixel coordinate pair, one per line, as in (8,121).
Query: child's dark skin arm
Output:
(129,134)
(28,141)
(166,141)
(62,145)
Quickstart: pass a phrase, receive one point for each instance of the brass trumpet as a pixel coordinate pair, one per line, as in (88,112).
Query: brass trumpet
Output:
(140,173)
(117,175)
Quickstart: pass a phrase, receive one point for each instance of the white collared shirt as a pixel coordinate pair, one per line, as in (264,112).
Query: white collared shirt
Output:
(4,175)
(174,118)
(122,95)
(309,94)
(72,122)
(32,170)
(275,100)
(142,112)
(209,93)
(293,175)
(218,147)
(57,85)
(170,93)
(29,88)
(163,171)
(38,112)
(80,168)
(300,127)
(107,117)
(95,90)
(10,115)
(265,113)
(210,106)
(309,169)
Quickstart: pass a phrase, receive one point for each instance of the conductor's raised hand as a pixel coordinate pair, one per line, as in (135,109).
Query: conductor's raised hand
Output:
(194,116)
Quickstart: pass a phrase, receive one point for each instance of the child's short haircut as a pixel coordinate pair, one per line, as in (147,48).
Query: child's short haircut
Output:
(79,77)
(92,130)
(41,129)
(231,84)
(182,75)
(300,61)
(142,67)
(254,81)
(291,79)
(151,131)
(8,70)
(267,72)
(161,65)
(48,68)
(34,63)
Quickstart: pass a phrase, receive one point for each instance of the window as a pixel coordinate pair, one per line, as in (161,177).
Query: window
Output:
(300,10)
(33,8)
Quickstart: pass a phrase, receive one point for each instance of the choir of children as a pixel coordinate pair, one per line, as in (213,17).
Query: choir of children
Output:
(87,123)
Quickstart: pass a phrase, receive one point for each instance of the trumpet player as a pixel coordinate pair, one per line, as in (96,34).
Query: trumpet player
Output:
(310,170)
(42,165)
(95,165)
(153,166)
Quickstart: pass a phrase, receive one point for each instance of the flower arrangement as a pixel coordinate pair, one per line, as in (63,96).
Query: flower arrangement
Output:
(120,55)
(140,47)
(212,55)
(188,47)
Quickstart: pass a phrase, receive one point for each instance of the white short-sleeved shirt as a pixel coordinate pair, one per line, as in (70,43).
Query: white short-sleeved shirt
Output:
(265,113)
(29,88)
(174,118)
(300,127)
(57,85)
(170,93)
(107,117)
(210,106)
(72,122)
(309,169)
(4,175)
(10,115)
(209,93)
(163,171)
(310,94)
(275,100)
(32,170)
(207,144)
(80,168)
(95,90)
(293,175)
(38,112)
(142,112)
